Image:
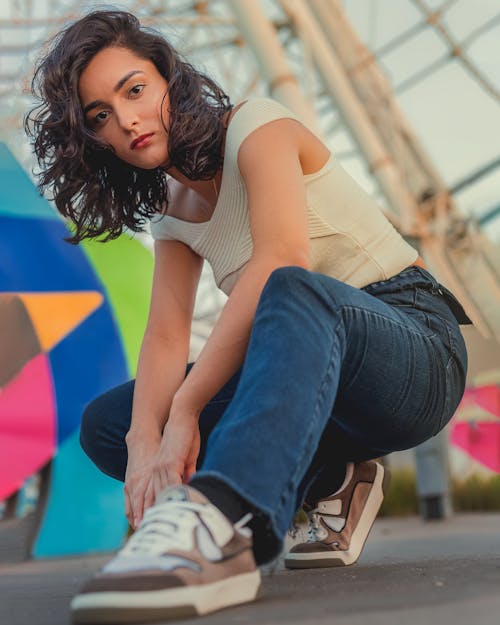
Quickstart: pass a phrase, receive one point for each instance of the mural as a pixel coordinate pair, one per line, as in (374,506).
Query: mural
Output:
(476,426)
(71,321)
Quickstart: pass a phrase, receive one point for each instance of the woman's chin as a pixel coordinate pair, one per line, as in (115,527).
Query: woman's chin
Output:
(144,163)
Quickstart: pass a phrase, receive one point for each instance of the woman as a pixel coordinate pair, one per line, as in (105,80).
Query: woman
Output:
(335,346)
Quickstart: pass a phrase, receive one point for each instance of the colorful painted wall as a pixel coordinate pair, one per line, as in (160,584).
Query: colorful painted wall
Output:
(71,322)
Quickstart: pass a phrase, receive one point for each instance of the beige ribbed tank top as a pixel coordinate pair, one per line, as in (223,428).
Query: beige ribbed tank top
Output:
(350,238)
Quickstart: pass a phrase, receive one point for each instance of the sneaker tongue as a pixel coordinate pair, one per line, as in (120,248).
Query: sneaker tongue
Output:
(220,526)
(180,493)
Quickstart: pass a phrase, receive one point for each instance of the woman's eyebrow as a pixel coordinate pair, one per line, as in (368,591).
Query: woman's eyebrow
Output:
(116,88)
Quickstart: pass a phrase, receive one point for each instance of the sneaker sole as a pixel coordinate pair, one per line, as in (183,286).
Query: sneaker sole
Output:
(359,536)
(133,607)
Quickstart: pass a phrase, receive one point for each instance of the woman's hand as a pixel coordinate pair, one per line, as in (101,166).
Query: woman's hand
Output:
(175,462)
(142,452)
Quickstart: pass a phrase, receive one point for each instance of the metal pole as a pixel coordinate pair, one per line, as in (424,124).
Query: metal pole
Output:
(377,96)
(262,38)
(337,83)
(433,478)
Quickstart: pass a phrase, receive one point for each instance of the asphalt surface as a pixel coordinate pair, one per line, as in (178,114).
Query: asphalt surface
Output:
(410,573)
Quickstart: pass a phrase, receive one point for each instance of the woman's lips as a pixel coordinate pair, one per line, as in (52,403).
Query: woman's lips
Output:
(141,141)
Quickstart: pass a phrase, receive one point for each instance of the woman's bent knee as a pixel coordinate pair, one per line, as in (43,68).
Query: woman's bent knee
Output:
(89,429)
(104,425)
(286,277)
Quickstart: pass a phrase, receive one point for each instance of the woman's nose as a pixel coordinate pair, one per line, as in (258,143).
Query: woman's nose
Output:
(127,119)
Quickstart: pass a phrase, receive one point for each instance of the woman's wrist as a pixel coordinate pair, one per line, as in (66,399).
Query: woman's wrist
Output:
(184,403)
(150,434)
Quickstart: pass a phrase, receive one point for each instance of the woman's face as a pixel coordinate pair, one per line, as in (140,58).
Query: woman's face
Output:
(124,102)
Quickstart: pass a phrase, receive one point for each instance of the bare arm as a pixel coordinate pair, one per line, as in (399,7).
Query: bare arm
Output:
(165,347)
(269,164)
(161,369)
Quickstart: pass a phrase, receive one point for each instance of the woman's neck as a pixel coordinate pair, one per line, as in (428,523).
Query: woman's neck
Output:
(207,189)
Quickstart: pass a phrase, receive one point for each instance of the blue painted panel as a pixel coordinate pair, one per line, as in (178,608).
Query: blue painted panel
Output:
(34,257)
(85,508)
(88,362)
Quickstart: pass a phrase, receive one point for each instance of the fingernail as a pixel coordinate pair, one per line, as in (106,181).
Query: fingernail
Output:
(136,521)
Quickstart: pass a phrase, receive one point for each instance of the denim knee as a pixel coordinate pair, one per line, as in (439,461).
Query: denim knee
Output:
(286,280)
(288,286)
(88,429)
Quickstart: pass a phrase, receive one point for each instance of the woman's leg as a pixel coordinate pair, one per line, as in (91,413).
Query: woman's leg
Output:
(106,421)
(320,351)
(340,443)
(386,367)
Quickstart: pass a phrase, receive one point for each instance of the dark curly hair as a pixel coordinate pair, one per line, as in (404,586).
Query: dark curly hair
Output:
(97,191)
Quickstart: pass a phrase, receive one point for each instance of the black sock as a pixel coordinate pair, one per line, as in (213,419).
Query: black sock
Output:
(222,496)
(266,545)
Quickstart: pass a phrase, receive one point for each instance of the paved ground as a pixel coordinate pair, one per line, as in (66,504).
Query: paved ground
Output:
(411,573)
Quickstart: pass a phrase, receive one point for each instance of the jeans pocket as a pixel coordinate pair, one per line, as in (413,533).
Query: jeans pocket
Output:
(455,372)
(455,386)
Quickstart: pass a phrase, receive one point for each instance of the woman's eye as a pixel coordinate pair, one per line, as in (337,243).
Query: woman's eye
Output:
(136,89)
(100,117)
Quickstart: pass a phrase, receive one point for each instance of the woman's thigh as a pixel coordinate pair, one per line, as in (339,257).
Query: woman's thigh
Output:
(403,371)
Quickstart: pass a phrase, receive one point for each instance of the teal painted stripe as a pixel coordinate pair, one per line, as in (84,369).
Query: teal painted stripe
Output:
(85,511)
(18,195)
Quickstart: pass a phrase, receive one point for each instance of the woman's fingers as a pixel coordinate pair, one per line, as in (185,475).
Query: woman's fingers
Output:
(176,459)
(132,508)
(156,483)
(189,471)
(149,497)
(192,457)
(134,502)
(163,476)
(138,506)
(128,508)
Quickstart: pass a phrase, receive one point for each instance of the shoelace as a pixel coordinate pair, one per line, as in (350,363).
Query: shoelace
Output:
(293,530)
(315,529)
(316,532)
(167,525)
(163,526)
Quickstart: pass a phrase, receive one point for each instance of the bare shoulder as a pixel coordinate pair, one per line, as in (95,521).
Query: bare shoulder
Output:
(280,137)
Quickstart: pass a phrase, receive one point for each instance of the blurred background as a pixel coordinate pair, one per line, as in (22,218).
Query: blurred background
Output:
(406,94)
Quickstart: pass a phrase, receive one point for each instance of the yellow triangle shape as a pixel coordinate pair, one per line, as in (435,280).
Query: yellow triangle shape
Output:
(55,315)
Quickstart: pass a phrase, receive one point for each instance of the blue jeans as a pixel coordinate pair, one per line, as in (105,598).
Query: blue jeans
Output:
(332,374)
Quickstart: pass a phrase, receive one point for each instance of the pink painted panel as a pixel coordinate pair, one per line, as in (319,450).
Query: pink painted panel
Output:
(27,424)
(486,397)
(481,440)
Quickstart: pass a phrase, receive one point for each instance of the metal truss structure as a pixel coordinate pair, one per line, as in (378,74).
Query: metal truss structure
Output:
(308,55)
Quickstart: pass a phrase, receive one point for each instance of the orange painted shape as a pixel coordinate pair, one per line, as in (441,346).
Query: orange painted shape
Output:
(55,315)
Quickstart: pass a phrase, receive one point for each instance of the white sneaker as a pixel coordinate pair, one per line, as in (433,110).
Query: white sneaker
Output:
(340,523)
(186,558)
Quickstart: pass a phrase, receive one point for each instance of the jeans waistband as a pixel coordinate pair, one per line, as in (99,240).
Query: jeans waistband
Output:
(416,277)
